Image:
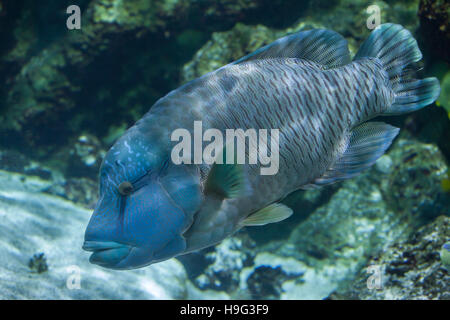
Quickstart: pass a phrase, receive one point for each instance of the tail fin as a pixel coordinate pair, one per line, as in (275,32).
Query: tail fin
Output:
(396,48)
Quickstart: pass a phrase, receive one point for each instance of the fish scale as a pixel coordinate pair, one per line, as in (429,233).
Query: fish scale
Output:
(290,107)
(297,109)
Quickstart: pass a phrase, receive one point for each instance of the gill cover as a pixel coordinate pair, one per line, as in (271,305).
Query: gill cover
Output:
(183,194)
(149,222)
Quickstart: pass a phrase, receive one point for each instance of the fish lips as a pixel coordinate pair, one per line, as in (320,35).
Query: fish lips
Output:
(118,256)
(107,254)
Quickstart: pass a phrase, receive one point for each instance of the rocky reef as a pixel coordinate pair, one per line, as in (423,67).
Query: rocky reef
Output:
(67,95)
(336,240)
(411,269)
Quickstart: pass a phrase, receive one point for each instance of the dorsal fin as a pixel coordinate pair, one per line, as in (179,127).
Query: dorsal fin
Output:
(321,46)
(367,142)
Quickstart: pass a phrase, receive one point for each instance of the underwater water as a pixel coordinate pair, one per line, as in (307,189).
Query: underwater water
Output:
(74,79)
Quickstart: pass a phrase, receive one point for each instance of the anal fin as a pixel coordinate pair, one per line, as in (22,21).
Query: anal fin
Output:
(367,142)
(275,212)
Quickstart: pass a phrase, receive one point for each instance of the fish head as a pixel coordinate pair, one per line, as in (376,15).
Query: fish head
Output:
(145,205)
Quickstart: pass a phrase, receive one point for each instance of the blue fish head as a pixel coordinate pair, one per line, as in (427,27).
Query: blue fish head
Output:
(146,204)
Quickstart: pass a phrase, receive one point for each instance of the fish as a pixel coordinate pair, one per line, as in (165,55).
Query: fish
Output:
(308,87)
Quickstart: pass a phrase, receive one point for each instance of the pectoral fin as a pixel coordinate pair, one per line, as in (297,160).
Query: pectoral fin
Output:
(275,212)
(227,180)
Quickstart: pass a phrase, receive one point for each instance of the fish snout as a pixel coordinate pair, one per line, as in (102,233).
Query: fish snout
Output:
(107,253)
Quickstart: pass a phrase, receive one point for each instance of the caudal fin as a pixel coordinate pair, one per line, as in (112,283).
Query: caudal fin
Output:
(397,49)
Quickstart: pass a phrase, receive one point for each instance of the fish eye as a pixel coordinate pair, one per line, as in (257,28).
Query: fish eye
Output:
(125,188)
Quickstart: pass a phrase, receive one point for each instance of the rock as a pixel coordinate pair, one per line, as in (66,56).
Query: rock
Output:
(18,33)
(296,279)
(346,17)
(434,18)
(384,164)
(334,240)
(270,274)
(84,157)
(267,282)
(82,191)
(368,213)
(411,269)
(11,160)
(226,261)
(413,188)
(32,221)
(225,47)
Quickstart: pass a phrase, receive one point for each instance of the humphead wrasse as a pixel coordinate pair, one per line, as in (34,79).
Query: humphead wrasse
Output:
(307,86)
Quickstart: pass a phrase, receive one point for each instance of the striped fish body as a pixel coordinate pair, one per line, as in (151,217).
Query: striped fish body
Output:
(315,104)
(313,108)
(306,86)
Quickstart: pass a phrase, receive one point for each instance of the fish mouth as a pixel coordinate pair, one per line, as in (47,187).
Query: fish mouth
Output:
(107,253)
